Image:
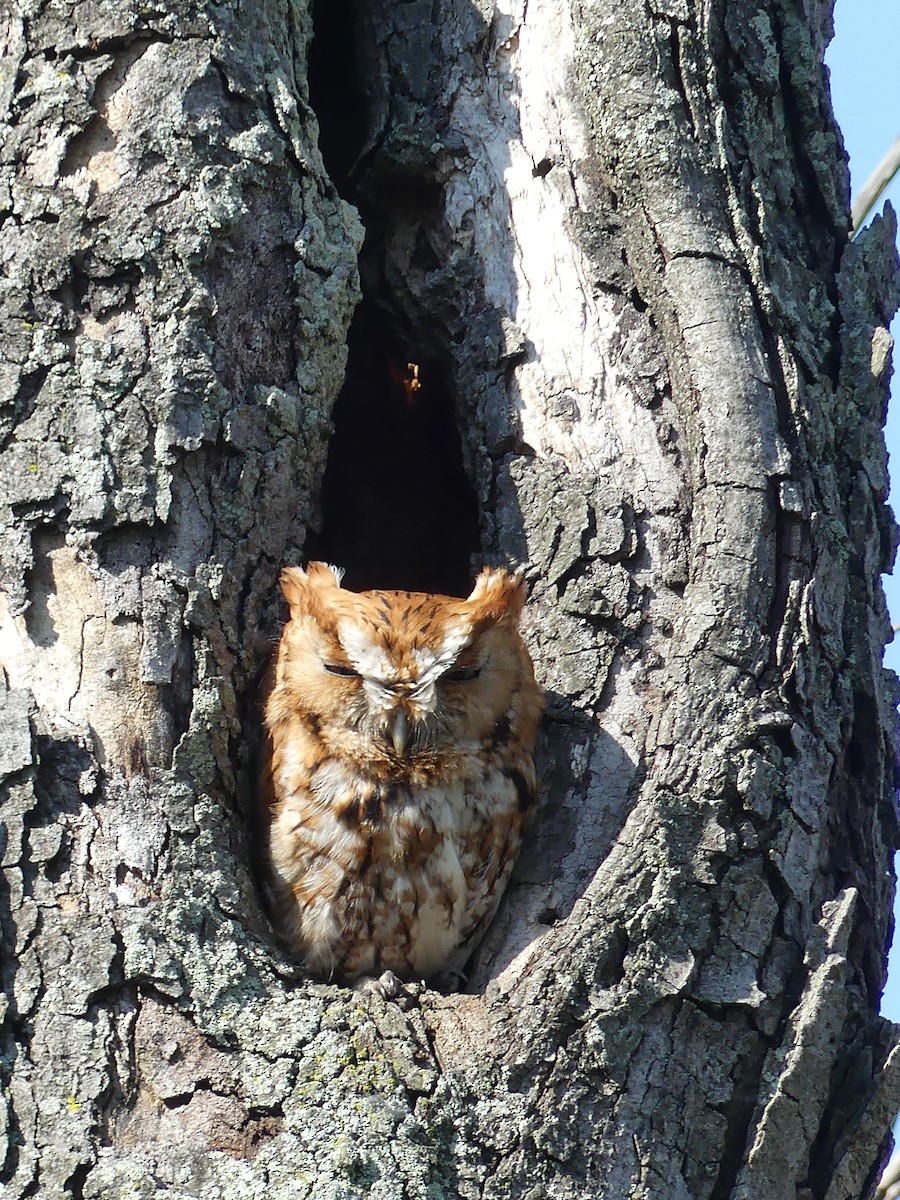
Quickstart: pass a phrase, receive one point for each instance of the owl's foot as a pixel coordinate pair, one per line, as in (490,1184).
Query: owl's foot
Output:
(387,985)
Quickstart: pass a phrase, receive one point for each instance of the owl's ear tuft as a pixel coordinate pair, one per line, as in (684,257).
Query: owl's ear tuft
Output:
(324,574)
(295,587)
(497,593)
(299,586)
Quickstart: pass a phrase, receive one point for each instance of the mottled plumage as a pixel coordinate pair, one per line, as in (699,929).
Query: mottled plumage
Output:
(398,775)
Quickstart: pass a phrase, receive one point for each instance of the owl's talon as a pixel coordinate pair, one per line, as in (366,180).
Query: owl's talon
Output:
(387,985)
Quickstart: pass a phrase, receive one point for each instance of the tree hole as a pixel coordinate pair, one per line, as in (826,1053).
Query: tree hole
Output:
(398,510)
(334,89)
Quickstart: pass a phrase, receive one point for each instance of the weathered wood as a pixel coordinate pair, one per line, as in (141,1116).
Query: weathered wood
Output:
(621,235)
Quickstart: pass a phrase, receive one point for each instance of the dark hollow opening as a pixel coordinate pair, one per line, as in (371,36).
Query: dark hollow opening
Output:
(398,511)
(334,89)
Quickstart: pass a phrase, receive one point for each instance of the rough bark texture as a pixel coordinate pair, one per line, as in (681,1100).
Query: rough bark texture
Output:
(619,231)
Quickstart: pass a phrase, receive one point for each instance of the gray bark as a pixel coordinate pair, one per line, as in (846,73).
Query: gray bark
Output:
(623,233)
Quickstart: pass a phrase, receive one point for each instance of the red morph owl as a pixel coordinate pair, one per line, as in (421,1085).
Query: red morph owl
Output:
(397,777)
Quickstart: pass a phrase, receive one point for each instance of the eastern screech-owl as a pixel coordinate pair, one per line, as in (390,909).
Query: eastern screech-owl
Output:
(398,775)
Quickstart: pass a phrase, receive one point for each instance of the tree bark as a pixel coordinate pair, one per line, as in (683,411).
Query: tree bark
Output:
(618,235)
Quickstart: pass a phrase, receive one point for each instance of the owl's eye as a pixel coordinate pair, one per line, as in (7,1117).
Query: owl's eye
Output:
(340,669)
(461,674)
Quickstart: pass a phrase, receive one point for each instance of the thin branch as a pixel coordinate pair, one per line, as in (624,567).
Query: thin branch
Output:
(876,184)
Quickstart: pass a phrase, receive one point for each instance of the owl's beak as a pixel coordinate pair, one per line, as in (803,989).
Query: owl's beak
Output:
(399,732)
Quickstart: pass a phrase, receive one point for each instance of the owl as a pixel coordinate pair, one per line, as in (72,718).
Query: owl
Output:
(397,775)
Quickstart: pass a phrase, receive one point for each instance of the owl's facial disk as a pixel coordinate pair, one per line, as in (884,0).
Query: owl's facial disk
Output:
(414,671)
(400,682)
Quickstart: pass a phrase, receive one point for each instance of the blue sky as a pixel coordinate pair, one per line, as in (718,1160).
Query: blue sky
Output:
(865,92)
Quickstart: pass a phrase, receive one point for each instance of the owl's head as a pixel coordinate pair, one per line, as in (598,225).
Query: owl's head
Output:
(415,672)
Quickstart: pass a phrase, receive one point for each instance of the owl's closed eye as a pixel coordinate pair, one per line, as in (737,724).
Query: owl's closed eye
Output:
(398,774)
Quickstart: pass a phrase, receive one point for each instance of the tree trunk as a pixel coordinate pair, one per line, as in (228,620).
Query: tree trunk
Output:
(613,240)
